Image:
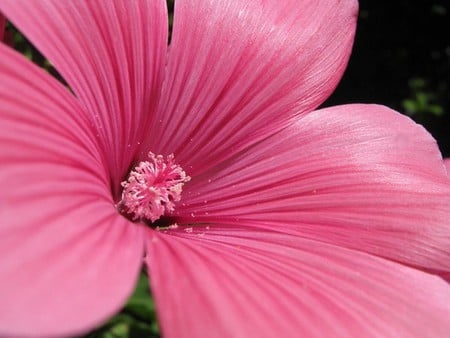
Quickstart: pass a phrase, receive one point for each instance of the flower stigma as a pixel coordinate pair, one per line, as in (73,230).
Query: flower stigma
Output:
(152,188)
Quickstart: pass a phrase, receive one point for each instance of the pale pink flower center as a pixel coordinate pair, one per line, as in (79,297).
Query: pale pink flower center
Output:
(152,188)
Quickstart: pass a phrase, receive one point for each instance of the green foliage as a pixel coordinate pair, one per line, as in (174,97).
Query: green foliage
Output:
(422,99)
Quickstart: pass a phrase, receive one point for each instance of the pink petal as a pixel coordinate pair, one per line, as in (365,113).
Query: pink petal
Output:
(359,176)
(112,55)
(228,282)
(446,276)
(447,165)
(240,70)
(68,260)
(2,26)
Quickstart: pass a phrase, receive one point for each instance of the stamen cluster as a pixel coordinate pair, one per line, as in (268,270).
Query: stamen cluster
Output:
(152,188)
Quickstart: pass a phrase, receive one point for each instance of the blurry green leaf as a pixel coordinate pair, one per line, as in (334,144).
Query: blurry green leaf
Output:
(409,106)
(416,83)
(422,100)
(141,304)
(436,109)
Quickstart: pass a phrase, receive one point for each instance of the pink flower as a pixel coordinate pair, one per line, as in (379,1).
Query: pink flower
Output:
(271,219)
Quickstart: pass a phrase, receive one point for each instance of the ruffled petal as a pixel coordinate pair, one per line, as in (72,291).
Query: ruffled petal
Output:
(240,70)
(112,55)
(359,176)
(68,260)
(228,282)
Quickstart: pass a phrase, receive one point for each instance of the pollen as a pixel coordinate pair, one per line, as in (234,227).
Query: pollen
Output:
(152,188)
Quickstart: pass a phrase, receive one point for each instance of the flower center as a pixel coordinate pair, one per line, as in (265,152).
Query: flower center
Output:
(152,188)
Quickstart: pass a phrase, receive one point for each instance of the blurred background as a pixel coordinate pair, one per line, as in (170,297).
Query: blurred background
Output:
(401,58)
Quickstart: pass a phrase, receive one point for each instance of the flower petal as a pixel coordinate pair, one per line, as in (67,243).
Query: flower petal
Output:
(359,176)
(2,26)
(447,165)
(240,70)
(228,282)
(68,260)
(111,53)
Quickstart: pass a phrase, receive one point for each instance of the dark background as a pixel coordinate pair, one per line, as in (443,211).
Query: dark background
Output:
(401,58)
